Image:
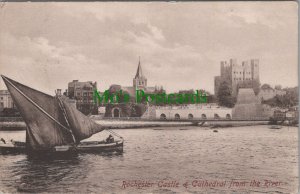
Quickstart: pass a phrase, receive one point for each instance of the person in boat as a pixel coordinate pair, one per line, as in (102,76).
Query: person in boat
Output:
(110,139)
(12,141)
(3,140)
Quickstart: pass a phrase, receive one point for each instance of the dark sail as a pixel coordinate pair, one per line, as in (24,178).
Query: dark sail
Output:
(82,126)
(46,124)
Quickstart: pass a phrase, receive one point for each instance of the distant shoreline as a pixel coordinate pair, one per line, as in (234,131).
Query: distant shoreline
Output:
(133,124)
(16,124)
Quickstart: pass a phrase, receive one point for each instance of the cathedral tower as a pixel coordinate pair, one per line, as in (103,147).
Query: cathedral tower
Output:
(139,81)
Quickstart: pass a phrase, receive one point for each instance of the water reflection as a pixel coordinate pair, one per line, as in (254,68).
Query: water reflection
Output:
(39,174)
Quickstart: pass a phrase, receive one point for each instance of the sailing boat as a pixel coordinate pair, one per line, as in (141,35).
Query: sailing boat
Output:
(54,125)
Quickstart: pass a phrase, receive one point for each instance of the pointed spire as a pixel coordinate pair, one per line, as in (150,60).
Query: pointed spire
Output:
(139,70)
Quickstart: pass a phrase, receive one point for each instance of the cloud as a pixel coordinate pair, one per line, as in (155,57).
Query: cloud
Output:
(176,41)
(38,63)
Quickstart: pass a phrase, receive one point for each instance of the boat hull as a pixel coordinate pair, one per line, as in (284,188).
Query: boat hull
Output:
(86,147)
(12,150)
(100,147)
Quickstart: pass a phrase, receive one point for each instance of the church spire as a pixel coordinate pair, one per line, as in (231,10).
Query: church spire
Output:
(139,72)
(139,81)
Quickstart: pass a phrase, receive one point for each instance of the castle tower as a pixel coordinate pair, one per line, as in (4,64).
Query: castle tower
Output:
(238,76)
(255,69)
(139,81)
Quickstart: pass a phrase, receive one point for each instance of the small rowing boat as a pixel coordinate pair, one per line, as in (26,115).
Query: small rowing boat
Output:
(275,127)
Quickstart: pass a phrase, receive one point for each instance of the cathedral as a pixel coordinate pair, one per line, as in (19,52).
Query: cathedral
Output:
(131,109)
(139,83)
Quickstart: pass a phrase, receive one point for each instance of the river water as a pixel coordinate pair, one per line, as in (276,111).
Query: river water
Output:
(252,159)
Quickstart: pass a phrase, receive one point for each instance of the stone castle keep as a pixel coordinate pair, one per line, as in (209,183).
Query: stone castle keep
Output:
(238,76)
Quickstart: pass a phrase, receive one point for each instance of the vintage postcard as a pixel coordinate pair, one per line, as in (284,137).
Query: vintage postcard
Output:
(149,97)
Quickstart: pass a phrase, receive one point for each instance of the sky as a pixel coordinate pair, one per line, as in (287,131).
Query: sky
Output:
(46,45)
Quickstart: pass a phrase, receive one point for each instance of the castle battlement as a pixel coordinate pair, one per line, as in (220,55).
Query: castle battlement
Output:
(237,74)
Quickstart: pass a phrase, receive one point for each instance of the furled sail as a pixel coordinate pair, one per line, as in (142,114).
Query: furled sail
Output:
(42,113)
(82,126)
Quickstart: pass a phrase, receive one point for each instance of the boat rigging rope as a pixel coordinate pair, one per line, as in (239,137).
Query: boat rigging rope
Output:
(114,133)
(65,116)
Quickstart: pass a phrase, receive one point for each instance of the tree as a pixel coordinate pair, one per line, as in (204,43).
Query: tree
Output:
(285,101)
(278,87)
(256,87)
(10,112)
(266,86)
(225,95)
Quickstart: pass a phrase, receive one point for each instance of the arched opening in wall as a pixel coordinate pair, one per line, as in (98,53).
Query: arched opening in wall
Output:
(190,116)
(116,113)
(177,116)
(203,116)
(163,117)
(216,116)
(228,116)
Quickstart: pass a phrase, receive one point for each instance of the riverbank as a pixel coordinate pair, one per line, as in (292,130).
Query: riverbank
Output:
(12,126)
(16,123)
(219,124)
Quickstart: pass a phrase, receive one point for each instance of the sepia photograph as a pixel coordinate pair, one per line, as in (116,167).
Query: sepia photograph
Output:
(149,97)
